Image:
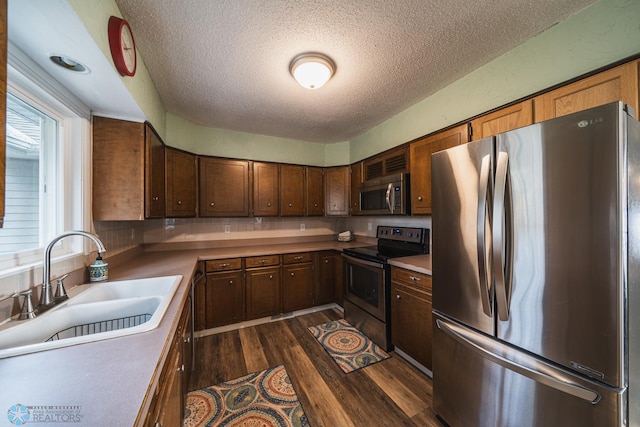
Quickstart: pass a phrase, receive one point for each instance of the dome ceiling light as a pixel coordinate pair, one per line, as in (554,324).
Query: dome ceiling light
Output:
(312,70)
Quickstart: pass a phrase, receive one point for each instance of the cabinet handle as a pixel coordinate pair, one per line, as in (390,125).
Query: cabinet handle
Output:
(298,258)
(414,278)
(157,424)
(181,368)
(155,198)
(188,340)
(262,261)
(212,204)
(225,265)
(419,198)
(179,202)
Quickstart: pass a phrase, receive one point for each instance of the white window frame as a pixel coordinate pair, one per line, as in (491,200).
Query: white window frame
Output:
(23,270)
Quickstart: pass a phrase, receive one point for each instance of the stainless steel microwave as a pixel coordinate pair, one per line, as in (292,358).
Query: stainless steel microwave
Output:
(388,195)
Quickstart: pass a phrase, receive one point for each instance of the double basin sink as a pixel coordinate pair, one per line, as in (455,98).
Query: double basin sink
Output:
(98,312)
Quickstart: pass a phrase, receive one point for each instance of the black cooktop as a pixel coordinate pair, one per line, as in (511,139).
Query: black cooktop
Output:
(394,242)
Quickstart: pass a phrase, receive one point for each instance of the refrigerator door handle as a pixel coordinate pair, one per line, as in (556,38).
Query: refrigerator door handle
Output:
(483,192)
(388,198)
(528,366)
(501,226)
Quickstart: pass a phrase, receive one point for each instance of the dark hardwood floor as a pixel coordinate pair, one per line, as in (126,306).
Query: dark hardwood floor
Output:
(388,393)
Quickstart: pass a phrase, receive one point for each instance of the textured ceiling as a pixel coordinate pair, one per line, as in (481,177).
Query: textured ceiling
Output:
(225,63)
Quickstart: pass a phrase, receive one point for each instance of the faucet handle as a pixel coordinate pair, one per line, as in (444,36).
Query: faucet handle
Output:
(61,292)
(27,311)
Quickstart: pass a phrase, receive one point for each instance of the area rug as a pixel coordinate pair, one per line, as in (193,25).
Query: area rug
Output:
(349,347)
(265,398)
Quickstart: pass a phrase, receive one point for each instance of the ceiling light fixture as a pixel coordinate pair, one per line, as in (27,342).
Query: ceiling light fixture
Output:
(69,64)
(312,70)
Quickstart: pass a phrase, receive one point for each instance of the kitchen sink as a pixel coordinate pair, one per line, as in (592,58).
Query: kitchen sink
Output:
(101,311)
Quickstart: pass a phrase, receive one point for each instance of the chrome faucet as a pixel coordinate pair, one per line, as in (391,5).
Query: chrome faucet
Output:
(46,296)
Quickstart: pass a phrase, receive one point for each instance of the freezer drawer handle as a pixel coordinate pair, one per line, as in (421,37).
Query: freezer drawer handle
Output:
(484,191)
(534,371)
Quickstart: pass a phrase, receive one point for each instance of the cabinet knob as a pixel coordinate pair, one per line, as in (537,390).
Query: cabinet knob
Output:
(231,282)
(419,198)
(262,261)
(290,205)
(298,258)
(414,278)
(224,265)
(155,198)
(315,205)
(181,368)
(326,261)
(179,202)
(397,297)
(212,204)
(269,204)
(293,274)
(187,340)
(271,276)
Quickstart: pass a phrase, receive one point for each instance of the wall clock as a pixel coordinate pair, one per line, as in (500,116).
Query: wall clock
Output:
(123,47)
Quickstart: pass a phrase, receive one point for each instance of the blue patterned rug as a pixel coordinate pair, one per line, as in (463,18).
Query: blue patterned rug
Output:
(264,398)
(349,347)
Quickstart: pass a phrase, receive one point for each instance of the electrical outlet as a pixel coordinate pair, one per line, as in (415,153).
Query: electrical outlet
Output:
(369,227)
(227,228)
(302,227)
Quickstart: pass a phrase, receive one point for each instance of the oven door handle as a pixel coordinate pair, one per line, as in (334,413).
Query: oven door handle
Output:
(361,261)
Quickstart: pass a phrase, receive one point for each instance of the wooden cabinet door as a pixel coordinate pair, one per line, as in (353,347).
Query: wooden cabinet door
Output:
(182,183)
(263,292)
(420,153)
(186,336)
(617,84)
(297,286)
(356,180)
(329,278)
(390,162)
(266,181)
(225,298)
(154,175)
(503,120)
(315,191)
(291,190)
(224,187)
(411,329)
(200,300)
(338,182)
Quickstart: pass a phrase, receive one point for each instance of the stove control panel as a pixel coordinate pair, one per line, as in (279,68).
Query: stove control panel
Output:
(403,234)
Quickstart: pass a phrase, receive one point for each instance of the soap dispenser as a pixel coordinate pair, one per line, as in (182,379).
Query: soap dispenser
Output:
(99,270)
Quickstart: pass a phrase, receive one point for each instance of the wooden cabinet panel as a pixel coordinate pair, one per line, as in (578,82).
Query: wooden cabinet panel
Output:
(356,180)
(3,104)
(291,190)
(154,174)
(226,264)
(225,298)
(224,187)
(330,278)
(296,258)
(411,328)
(503,120)
(297,286)
(266,181)
(315,191)
(617,84)
(421,151)
(263,292)
(338,185)
(387,163)
(181,183)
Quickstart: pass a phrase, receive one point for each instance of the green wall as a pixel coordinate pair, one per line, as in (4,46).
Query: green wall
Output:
(599,35)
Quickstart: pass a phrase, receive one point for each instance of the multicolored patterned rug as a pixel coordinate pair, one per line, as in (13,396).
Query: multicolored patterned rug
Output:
(349,347)
(264,398)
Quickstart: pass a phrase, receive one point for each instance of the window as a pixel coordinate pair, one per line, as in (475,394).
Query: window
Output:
(31,186)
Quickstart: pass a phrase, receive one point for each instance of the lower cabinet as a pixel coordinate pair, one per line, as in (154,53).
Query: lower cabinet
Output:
(263,286)
(298,282)
(411,303)
(330,283)
(167,406)
(225,298)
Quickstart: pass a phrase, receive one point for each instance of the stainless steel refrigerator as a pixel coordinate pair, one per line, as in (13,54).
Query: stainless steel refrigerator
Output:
(536,275)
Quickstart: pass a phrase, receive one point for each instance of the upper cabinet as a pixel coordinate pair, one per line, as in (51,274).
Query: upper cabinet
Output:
(421,151)
(617,84)
(356,180)
(387,163)
(292,190)
(224,187)
(154,174)
(124,154)
(505,119)
(181,183)
(3,102)
(338,184)
(266,199)
(314,180)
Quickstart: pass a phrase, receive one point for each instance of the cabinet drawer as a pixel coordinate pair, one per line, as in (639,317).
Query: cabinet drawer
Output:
(223,264)
(411,277)
(297,258)
(262,261)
